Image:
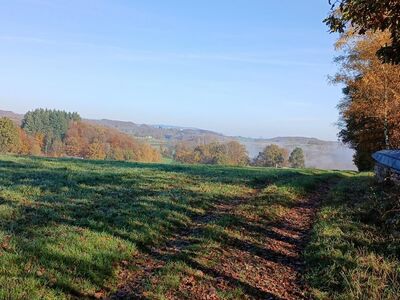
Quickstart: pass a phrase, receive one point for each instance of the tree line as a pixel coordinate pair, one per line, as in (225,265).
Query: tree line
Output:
(62,134)
(235,154)
(370,108)
(55,133)
(370,72)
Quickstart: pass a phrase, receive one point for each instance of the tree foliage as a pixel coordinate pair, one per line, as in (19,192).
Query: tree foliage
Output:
(369,15)
(272,156)
(231,153)
(296,158)
(97,142)
(58,133)
(9,136)
(370,109)
(51,124)
(29,145)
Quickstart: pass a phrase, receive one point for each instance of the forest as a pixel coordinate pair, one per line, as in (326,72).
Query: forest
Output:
(54,133)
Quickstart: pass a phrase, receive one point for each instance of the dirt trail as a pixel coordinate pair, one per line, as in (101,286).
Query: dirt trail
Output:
(266,264)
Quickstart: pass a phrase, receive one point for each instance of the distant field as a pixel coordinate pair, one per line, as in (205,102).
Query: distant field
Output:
(96,229)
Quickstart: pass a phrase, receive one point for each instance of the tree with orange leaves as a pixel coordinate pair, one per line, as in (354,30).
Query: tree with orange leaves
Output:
(370,110)
(97,142)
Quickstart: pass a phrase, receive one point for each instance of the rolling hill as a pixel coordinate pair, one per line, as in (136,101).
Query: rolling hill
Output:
(319,154)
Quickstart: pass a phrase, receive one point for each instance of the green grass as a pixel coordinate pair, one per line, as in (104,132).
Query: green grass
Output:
(278,193)
(355,247)
(66,225)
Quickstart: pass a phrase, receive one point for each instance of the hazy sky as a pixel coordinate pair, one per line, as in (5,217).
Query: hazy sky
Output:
(240,67)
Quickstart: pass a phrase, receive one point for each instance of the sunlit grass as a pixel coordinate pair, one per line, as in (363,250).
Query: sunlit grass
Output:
(66,224)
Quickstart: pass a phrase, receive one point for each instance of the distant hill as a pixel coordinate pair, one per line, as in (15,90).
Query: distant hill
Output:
(11,115)
(319,154)
(160,132)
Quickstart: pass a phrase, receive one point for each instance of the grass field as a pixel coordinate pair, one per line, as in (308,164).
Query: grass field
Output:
(91,229)
(355,247)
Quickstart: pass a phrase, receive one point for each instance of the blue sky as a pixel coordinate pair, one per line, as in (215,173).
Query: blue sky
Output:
(241,67)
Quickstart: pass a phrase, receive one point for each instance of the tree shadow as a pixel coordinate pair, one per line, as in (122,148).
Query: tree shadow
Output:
(129,203)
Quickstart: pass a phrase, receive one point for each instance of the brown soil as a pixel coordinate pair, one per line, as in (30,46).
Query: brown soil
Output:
(265,263)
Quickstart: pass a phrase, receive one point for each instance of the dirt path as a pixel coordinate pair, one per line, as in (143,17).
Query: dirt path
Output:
(265,263)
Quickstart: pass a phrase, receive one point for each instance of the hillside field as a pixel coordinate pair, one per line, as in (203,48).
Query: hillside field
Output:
(79,229)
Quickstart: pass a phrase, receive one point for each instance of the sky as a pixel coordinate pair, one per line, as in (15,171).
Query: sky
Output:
(256,68)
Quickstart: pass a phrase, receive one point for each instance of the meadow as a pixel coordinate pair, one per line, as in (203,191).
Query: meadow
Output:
(73,228)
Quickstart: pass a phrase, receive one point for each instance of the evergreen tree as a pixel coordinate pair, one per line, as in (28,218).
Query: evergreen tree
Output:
(52,124)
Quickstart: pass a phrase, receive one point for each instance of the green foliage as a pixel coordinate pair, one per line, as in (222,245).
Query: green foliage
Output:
(371,15)
(9,136)
(272,156)
(52,124)
(296,158)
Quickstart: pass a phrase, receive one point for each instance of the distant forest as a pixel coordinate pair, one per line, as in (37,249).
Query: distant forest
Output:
(56,133)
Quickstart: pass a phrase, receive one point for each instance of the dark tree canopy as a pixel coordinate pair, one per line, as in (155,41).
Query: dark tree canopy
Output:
(369,15)
(296,158)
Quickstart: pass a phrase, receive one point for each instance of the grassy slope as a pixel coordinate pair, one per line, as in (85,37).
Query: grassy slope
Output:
(65,224)
(355,247)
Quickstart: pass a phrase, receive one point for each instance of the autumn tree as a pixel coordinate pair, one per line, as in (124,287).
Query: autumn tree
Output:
(369,16)
(272,156)
(214,153)
(237,154)
(9,136)
(96,150)
(184,153)
(52,125)
(296,158)
(370,110)
(97,142)
(28,145)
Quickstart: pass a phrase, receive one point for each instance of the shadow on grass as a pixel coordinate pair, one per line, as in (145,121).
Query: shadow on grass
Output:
(133,205)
